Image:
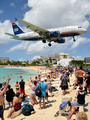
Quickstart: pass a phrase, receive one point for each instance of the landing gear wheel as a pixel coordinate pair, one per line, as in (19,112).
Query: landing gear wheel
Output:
(49,44)
(74,40)
(44,41)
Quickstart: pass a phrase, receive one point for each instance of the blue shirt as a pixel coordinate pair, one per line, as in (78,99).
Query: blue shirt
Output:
(42,86)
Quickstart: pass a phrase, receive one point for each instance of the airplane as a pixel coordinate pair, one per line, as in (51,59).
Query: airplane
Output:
(38,33)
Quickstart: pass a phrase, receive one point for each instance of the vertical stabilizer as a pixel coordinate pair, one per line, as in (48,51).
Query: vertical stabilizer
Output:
(16,29)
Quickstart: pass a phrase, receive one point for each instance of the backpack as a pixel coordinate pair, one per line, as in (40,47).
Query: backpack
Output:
(26,110)
(38,92)
(62,105)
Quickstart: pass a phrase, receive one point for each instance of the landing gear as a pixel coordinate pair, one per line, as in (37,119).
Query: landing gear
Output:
(44,41)
(74,39)
(49,44)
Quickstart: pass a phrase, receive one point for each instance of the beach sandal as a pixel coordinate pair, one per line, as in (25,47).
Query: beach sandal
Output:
(72,89)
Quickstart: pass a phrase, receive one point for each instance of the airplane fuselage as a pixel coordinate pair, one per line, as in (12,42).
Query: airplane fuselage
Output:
(54,33)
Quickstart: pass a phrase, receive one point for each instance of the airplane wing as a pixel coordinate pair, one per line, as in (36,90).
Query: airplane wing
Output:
(42,32)
(13,36)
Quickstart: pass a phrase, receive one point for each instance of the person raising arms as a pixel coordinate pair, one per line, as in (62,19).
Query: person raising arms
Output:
(1,99)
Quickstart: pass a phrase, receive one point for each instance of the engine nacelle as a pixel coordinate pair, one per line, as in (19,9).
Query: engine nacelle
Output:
(60,40)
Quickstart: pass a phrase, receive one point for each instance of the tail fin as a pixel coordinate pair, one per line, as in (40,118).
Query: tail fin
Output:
(16,29)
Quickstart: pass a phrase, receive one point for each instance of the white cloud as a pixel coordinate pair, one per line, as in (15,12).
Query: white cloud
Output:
(79,41)
(50,13)
(22,46)
(21,59)
(78,57)
(35,57)
(74,51)
(1,11)
(5,27)
(12,4)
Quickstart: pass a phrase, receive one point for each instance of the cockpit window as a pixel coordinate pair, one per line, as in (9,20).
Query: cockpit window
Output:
(79,27)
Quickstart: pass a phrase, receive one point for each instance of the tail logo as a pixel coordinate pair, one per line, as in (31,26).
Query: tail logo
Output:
(16,29)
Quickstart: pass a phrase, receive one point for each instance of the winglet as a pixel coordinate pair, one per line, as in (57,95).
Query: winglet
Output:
(16,19)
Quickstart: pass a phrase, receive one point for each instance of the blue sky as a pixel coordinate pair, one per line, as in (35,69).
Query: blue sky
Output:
(46,14)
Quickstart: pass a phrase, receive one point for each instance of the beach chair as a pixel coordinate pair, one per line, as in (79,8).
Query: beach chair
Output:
(64,106)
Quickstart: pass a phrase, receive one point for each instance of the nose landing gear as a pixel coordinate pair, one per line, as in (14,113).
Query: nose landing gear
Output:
(74,39)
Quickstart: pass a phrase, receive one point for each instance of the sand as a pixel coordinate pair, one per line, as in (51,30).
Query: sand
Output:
(53,106)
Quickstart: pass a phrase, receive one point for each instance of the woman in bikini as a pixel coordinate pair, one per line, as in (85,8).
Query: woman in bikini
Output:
(32,92)
(17,86)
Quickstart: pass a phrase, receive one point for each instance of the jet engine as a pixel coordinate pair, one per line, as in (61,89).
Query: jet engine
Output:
(60,40)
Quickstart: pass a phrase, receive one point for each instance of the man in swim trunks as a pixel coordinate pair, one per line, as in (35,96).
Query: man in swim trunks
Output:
(80,74)
(17,104)
(1,99)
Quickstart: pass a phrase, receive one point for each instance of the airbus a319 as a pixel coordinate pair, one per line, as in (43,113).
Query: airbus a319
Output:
(54,34)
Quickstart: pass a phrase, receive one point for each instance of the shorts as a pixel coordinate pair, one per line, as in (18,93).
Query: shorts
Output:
(1,111)
(42,97)
(80,79)
(50,90)
(17,88)
(75,103)
(22,91)
(64,87)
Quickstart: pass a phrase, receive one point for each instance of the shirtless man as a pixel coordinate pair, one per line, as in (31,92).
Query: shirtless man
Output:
(80,74)
(17,104)
(1,99)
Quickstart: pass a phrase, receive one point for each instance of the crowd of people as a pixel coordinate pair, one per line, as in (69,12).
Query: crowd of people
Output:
(44,83)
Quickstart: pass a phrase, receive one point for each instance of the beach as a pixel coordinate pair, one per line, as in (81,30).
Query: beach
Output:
(53,106)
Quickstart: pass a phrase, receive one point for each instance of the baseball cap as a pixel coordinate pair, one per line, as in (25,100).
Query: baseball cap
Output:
(42,79)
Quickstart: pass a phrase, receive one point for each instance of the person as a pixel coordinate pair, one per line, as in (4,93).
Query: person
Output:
(10,95)
(64,83)
(87,82)
(17,86)
(49,85)
(32,92)
(22,87)
(80,74)
(1,99)
(80,99)
(42,86)
(79,115)
(16,104)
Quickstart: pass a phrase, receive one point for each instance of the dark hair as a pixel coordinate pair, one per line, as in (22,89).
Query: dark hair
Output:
(0,85)
(9,86)
(81,67)
(45,80)
(81,87)
(35,82)
(89,73)
(21,79)
(17,82)
(36,77)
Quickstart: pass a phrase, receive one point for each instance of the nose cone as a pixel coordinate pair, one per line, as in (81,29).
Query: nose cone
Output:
(84,30)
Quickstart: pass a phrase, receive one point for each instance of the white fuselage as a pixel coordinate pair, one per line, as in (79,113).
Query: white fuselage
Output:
(54,33)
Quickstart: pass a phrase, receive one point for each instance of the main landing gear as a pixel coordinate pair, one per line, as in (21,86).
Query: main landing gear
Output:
(74,39)
(44,41)
(49,44)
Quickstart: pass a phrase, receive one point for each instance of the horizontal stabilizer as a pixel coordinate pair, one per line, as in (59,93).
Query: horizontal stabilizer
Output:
(14,36)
